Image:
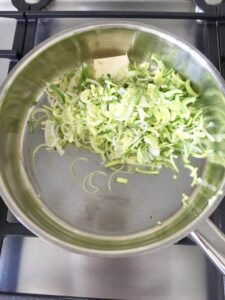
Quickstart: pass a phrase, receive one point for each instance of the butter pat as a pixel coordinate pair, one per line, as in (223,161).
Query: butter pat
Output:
(115,66)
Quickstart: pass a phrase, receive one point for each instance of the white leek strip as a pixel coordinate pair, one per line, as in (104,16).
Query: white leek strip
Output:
(110,180)
(39,110)
(35,153)
(89,179)
(193,174)
(73,165)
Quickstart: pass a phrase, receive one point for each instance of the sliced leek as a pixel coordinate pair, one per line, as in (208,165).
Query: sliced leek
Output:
(146,119)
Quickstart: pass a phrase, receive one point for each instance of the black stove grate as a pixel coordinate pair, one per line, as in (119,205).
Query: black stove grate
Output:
(27,16)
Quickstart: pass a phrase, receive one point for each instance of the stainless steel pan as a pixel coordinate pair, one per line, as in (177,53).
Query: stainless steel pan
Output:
(127,220)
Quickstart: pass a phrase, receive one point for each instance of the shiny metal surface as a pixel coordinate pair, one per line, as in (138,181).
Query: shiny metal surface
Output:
(191,30)
(176,273)
(213,2)
(113,5)
(4,65)
(6,42)
(8,25)
(117,223)
(7,39)
(212,241)
(7,5)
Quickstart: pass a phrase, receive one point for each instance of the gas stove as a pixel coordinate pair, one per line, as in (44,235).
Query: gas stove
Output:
(32,269)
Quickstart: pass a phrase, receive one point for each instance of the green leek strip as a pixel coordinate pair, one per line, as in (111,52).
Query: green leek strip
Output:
(112,176)
(144,171)
(58,92)
(113,163)
(31,125)
(121,180)
(190,89)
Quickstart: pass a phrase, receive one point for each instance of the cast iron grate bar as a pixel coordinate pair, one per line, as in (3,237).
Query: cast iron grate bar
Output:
(49,297)
(123,14)
(10,54)
(15,54)
(12,15)
(222,46)
(30,35)
(212,42)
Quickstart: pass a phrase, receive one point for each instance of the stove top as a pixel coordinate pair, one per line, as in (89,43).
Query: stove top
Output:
(32,269)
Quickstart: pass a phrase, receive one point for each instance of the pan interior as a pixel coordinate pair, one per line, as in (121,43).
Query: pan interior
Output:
(48,199)
(126,209)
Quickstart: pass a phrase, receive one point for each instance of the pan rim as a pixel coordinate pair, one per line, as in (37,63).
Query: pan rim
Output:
(51,41)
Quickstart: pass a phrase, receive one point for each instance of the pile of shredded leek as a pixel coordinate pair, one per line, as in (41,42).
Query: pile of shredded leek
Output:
(144,121)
